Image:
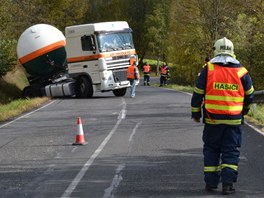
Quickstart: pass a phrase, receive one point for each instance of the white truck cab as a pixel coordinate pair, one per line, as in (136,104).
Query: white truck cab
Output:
(98,56)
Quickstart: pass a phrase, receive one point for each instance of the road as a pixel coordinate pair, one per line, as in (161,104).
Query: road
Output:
(146,146)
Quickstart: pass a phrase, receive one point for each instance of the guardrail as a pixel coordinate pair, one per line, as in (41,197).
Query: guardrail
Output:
(259,96)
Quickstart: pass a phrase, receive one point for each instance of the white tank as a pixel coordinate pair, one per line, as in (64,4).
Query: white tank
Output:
(41,50)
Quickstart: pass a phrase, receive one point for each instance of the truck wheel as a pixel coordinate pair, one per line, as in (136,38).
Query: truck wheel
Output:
(30,92)
(84,88)
(120,92)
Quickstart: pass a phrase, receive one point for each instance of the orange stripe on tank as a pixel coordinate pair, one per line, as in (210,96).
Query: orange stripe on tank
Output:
(42,51)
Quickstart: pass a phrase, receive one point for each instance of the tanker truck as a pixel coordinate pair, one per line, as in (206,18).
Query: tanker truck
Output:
(89,58)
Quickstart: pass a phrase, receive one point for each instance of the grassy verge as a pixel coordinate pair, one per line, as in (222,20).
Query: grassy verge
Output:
(188,89)
(19,106)
(256,115)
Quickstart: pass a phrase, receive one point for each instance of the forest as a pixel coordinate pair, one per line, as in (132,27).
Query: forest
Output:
(180,33)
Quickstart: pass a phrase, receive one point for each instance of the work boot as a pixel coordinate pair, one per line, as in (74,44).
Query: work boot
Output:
(228,189)
(209,188)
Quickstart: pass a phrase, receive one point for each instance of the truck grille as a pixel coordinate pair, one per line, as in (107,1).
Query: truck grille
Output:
(119,75)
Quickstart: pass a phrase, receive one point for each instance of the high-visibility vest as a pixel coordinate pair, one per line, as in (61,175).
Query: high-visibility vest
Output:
(146,68)
(224,90)
(163,70)
(131,72)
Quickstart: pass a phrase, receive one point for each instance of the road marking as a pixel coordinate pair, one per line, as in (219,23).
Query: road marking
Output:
(90,161)
(118,178)
(254,128)
(1,126)
(115,182)
(132,135)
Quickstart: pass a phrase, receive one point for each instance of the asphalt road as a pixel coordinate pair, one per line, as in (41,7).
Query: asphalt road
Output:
(146,146)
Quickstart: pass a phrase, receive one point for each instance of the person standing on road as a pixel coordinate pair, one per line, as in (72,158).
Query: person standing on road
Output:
(164,75)
(146,71)
(133,77)
(225,91)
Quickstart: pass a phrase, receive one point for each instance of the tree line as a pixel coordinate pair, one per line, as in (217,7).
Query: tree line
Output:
(178,32)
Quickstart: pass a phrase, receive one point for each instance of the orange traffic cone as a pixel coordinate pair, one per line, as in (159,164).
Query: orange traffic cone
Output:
(79,137)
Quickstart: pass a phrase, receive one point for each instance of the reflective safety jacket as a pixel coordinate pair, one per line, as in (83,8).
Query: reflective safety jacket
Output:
(224,90)
(146,69)
(164,71)
(223,94)
(132,72)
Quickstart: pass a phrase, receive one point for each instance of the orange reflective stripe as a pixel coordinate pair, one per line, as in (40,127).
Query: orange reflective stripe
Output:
(42,51)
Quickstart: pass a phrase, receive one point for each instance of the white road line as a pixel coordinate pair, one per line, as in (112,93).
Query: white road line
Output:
(115,182)
(90,161)
(8,123)
(254,128)
(118,177)
(132,135)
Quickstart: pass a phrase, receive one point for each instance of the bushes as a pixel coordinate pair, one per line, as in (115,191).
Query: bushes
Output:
(7,56)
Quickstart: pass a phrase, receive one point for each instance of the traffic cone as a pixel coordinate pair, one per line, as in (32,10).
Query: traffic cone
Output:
(80,140)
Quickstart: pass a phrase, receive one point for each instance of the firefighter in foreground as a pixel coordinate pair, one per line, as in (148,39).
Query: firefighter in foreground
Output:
(146,71)
(164,75)
(225,92)
(133,77)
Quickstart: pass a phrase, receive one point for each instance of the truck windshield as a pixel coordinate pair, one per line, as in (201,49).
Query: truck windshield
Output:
(115,41)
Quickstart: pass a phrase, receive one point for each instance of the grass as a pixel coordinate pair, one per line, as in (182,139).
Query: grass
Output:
(11,102)
(188,89)
(20,106)
(256,115)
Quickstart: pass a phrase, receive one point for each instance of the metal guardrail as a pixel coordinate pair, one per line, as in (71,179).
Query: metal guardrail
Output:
(259,96)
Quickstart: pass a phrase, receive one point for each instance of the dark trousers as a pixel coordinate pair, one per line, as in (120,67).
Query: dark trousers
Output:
(146,79)
(163,80)
(221,143)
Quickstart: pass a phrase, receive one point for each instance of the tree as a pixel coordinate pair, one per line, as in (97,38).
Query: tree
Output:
(7,60)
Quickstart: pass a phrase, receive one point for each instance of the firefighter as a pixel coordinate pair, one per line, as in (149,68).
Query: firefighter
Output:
(225,91)
(133,77)
(164,75)
(146,72)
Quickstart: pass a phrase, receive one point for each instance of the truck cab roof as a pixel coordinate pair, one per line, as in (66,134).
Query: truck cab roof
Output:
(96,27)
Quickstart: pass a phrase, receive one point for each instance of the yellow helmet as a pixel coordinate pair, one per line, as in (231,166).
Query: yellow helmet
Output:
(223,46)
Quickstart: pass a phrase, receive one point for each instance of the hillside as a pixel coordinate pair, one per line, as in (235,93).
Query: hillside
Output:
(12,84)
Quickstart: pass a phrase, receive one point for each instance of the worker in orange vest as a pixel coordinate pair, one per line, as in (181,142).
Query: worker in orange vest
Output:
(164,75)
(224,93)
(133,77)
(146,72)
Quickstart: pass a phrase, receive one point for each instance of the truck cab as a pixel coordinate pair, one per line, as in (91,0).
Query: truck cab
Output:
(98,56)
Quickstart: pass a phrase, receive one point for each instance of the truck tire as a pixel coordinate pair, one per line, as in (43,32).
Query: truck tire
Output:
(120,92)
(31,92)
(84,88)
